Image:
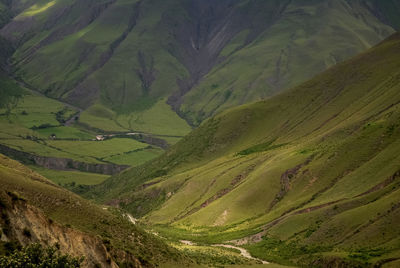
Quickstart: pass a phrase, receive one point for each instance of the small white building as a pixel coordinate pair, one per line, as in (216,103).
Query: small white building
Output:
(99,138)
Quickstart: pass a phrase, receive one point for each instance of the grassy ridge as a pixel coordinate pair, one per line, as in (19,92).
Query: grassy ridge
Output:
(68,209)
(127,244)
(315,169)
(121,60)
(291,53)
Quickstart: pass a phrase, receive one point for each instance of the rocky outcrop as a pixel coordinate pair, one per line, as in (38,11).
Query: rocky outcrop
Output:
(27,224)
(286,179)
(61,163)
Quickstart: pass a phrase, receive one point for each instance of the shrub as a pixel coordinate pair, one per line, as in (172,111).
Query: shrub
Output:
(9,247)
(37,256)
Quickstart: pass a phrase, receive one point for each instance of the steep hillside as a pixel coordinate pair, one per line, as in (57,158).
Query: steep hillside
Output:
(312,173)
(136,64)
(35,210)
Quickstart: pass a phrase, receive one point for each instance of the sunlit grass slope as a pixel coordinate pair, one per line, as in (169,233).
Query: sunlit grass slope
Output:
(316,166)
(67,209)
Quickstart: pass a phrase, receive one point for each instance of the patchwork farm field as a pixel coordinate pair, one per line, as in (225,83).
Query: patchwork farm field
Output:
(135,157)
(158,120)
(63,132)
(46,127)
(65,178)
(97,149)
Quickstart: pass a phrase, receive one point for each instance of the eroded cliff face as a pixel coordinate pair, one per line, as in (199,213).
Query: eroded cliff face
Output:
(35,210)
(26,224)
(61,163)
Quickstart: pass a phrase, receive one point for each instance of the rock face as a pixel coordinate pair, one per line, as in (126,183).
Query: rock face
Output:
(61,163)
(27,224)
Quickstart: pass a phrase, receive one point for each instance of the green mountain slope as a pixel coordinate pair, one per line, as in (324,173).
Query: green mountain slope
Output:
(123,60)
(35,210)
(312,171)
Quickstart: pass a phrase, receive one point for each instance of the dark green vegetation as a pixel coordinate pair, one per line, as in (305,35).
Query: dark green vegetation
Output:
(34,210)
(36,255)
(312,175)
(10,95)
(127,62)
